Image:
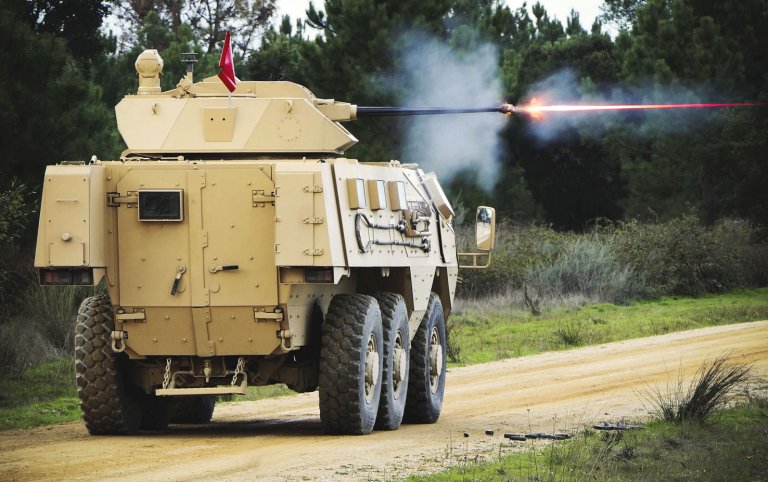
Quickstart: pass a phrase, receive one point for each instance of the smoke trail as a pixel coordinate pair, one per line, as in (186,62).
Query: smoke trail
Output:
(565,88)
(431,74)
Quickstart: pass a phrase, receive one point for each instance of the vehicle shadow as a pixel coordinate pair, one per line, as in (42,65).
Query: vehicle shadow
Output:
(266,427)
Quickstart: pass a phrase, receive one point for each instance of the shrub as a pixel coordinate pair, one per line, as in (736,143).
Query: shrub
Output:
(682,257)
(587,267)
(52,311)
(618,262)
(570,333)
(22,346)
(517,248)
(16,209)
(710,389)
(43,328)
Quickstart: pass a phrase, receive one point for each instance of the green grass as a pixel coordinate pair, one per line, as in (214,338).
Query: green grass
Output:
(41,396)
(733,448)
(479,334)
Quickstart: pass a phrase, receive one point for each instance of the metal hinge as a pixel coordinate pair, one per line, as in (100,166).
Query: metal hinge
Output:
(260,198)
(264,316)
(135,316)
(317,220)
(114,199)
(313,252)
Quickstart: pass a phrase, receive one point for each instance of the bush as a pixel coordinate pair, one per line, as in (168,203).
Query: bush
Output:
(681,257)
(52,310)
(709,390)
(517,249)
(16,209)
(22,346)
(586,267)
(618,262)
(43,329)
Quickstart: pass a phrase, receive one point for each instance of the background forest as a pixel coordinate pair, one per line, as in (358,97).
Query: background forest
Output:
(672,202)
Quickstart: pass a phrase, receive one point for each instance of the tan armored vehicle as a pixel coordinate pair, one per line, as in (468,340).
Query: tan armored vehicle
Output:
(239,247)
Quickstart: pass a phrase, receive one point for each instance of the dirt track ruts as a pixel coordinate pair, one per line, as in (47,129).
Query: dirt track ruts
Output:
(281,439)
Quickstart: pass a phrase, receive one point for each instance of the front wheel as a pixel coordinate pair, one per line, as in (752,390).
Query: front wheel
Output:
(350,365)
(427,375)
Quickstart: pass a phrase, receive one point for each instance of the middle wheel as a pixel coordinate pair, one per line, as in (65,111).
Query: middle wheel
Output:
(351,365)
(397,353)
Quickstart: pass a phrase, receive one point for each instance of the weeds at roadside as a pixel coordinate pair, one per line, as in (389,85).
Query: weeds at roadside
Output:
(711,388)
(44,332)
(734,447)
(570,333)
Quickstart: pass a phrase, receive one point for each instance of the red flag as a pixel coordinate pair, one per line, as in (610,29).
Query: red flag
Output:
(227,74)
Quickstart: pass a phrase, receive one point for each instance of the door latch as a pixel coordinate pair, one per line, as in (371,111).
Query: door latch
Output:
(231,267)
(177,279)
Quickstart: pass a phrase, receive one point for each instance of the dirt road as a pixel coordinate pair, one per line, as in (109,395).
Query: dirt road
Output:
(280,439)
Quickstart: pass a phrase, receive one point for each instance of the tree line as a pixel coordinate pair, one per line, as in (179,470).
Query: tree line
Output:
(62,71)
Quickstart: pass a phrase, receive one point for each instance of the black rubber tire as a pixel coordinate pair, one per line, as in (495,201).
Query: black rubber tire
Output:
(155,412)
(425,398)
(110,405)
(194,410)
(353,323)
(394,388)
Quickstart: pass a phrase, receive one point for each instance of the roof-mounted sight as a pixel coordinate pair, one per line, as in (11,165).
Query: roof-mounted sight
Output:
(189,59)
(149,69)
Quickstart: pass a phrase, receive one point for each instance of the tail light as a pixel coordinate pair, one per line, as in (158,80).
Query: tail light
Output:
(66,276)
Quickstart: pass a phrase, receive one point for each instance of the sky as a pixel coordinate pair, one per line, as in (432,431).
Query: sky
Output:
(588,9)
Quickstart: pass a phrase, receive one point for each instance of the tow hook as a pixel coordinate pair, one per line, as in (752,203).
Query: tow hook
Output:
(118,343)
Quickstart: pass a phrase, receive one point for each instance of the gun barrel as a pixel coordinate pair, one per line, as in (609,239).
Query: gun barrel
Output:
(402,111)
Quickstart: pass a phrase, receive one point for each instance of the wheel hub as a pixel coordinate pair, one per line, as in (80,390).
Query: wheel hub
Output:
(371,369)
(399,365)
(435,360)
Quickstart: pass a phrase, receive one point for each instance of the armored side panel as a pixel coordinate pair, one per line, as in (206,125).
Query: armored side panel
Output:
(71,230)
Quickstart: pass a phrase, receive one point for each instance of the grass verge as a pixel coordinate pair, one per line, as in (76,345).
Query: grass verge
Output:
(483,332)
(42,395)
(733,448)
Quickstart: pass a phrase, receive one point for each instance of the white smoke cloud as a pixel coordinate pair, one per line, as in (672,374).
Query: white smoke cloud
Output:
(432,74)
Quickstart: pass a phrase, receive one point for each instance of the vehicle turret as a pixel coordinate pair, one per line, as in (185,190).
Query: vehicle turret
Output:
(204,118)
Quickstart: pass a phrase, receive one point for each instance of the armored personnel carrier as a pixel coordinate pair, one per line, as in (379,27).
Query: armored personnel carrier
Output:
(239,247)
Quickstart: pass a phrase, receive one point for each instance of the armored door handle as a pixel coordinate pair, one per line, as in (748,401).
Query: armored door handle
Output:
(230,267)
(177,280)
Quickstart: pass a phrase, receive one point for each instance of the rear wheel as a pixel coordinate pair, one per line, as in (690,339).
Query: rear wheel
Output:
(109,403)
(427,376)
(350,365)
(155,412)
(394,387)
(194,409)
